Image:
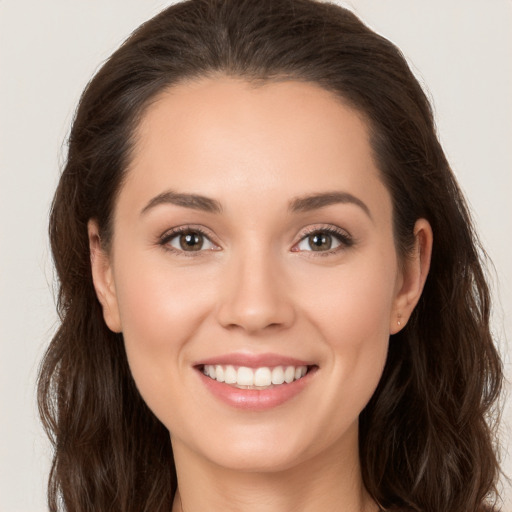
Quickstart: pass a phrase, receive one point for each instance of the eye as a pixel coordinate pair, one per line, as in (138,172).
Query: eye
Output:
(187,240)
(324,240)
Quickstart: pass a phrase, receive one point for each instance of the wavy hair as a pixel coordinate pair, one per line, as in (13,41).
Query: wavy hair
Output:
(427,439)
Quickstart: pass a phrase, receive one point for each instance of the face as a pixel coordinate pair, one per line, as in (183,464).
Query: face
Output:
(253,271)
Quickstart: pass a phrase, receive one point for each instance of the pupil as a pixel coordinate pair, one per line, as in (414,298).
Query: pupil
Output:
(191,241)
(320,241)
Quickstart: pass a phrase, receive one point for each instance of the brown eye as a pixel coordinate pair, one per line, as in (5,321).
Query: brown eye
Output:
(320,241)
(324,240)
(188,240)
(191,241)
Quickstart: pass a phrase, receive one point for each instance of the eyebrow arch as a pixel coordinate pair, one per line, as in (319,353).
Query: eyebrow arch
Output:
(322,199)
(193,201)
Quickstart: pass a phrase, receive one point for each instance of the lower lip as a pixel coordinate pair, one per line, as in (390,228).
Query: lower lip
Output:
(256,399)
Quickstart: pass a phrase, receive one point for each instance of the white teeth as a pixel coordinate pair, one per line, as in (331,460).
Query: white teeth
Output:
(254,377)
(278,375)
(230,375)
(289,374)
(245,376)
(219,371)
(262,377)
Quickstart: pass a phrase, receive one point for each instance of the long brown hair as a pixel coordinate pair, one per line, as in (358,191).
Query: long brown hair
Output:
(427,436)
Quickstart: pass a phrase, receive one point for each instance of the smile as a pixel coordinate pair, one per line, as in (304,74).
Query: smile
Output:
(255,382)
(263,377)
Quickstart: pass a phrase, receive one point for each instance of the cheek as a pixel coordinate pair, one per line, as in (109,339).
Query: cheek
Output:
(353,303)
(160,305)
(352,316)
(159,315)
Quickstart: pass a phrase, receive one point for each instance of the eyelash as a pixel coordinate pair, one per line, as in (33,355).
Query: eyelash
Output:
(345,239)
(174,232)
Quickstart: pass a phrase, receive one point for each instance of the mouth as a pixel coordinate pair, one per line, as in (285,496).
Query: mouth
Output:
(260,378)
(255,383)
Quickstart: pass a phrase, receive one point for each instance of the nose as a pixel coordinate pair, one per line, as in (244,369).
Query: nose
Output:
(255,297)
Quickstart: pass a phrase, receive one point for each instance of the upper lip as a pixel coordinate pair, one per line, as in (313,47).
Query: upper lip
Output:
(253,360)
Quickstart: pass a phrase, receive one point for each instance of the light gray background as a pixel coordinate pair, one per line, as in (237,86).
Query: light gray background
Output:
(49,50)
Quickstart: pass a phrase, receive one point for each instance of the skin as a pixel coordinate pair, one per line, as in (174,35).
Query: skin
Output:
(257,287)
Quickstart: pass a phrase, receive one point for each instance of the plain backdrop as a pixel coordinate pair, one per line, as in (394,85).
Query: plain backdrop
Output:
(461,50)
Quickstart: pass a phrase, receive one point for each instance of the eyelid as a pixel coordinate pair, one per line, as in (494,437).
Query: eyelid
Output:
(344,238)
(169,234)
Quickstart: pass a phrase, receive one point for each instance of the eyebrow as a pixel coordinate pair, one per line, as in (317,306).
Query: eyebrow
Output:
(194,201)
(299,204)
(323,199)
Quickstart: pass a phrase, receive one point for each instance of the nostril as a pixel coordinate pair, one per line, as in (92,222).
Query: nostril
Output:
(254,320)
(255,300)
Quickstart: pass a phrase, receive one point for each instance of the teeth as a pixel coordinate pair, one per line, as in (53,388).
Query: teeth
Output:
(245,376)
(278,375)
(230,375)
(254,377)
(289,374)
(263,377)
(219,373)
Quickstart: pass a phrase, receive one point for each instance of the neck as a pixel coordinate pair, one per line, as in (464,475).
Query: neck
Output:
(329,482)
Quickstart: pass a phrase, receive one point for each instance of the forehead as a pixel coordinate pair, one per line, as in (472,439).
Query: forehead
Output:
(221,136)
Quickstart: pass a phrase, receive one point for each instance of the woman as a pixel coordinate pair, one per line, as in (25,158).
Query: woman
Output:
(271,290)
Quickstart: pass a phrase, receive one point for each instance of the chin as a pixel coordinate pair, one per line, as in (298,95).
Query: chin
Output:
(266,448)
(260,460)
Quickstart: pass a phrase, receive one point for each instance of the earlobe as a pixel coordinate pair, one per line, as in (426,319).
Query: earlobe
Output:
(103,278)
(413,277)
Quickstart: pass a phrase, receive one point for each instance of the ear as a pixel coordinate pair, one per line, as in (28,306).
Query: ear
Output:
(413,276)
(103,278)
